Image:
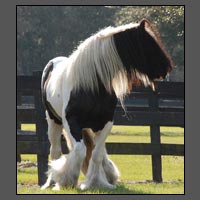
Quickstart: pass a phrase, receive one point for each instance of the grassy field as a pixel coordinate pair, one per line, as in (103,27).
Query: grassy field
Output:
(136,170)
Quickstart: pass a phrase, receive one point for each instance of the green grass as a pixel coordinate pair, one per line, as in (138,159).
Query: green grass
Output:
(141,134)
(27,175)
(28,127)
(135,169)
(141,188)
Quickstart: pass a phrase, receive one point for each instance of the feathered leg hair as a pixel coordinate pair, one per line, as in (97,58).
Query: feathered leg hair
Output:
(66,170)
(101,171)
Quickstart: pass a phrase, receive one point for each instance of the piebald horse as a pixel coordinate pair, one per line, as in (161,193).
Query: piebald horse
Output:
(80,94)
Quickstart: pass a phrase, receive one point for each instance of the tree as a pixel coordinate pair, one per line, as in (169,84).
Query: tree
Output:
(44,32)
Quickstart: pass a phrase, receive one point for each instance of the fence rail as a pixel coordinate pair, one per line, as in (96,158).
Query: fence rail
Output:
(165,107)
(32,147)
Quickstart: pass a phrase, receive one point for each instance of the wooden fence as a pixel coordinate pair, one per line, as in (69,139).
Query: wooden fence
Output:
(165,107)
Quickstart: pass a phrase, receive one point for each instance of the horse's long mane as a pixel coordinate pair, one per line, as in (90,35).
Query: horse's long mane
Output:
(97,60)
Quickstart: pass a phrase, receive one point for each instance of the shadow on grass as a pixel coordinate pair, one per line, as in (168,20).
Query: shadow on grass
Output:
(163,133)
(35,189)
(172,134)
(120,189)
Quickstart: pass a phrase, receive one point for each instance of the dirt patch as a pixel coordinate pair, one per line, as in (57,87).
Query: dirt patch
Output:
(26,164)
(26,185)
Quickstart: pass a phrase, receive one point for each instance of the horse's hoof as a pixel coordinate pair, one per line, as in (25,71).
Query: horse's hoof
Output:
(56,187)
(83,186)
(45,186)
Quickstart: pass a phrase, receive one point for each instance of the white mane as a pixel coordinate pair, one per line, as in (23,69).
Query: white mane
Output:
(97,56)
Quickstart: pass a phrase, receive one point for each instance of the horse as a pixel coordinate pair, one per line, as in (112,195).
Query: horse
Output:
(80,94)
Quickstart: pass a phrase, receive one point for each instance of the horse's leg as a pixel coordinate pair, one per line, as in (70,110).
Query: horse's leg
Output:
(68,137)
(96,176)
(88,138)
(65,171)
(110,169)
(48,182)
(54,135)
(67,132)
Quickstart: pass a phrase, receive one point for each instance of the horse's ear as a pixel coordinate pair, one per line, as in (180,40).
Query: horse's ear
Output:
(144,23)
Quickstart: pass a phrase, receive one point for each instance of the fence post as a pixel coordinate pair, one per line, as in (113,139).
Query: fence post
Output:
(19,159)
(155,139)
(41,132)
(19,102)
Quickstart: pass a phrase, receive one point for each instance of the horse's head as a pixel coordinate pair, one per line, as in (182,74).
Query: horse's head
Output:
(141,50)
(159,63)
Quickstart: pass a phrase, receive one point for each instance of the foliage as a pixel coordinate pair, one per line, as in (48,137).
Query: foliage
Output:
(44,32)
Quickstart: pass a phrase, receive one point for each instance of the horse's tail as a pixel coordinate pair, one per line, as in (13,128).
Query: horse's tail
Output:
(46,75)
(88,138)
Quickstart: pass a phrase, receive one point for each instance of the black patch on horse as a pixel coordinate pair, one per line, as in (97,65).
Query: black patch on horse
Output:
(90,110)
